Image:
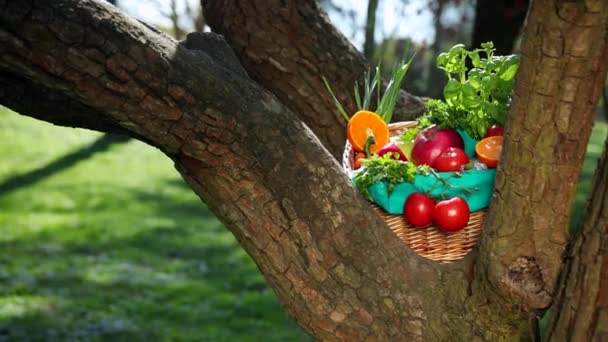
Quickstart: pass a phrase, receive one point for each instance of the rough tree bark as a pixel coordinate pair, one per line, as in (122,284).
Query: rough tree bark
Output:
(287,47)
(581,312)
(564,57)
(333,263)
(261,171)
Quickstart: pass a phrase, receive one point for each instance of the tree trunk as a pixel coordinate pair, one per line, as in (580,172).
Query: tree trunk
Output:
(561,76)
(287,47)
(370,28)
(333,263)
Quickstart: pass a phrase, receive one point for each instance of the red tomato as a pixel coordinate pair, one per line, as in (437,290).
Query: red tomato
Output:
(451,215)
(451,159)
(418,209)
(494,131)
(358,157)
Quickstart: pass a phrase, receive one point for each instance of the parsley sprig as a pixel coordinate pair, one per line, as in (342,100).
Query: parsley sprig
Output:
(376,169)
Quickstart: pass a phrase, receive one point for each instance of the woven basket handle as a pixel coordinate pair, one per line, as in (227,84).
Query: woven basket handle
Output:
(395,129)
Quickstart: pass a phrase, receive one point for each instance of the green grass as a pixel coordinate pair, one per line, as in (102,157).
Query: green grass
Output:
(117,247)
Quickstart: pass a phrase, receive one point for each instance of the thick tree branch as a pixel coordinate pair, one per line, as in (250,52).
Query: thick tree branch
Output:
(38,101)
(287,47)
(215,47)
(332,261)
(563,66)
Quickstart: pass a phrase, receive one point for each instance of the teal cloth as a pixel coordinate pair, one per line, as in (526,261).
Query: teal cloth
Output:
(393,203)
(482,180)
(469,143)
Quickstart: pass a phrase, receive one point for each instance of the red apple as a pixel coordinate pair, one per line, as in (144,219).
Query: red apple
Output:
(431,142)
(495,130)
(394,150)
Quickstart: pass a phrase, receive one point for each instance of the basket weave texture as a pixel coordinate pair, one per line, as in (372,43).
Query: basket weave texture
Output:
(430,242)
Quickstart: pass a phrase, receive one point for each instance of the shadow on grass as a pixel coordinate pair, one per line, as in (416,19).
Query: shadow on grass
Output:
(177,275)
(71,159)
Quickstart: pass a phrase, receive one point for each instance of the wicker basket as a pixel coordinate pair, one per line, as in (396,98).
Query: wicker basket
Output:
(430,242)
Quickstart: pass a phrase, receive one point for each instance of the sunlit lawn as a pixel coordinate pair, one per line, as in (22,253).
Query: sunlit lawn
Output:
(116,247)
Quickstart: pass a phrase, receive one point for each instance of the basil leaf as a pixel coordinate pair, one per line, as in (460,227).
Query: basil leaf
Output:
(475,60)
(452,91)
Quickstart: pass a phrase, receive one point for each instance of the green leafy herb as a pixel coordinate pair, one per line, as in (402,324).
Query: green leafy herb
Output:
(424,121)
(376,169)
(475,99)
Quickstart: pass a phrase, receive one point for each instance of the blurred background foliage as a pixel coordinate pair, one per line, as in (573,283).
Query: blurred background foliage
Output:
(101,239)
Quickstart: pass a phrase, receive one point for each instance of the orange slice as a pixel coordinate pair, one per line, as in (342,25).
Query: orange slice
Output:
(362,125)
(488,150)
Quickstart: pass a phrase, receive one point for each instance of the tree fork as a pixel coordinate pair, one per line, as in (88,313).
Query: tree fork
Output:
(336,267)
(330,259)
(287,47)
